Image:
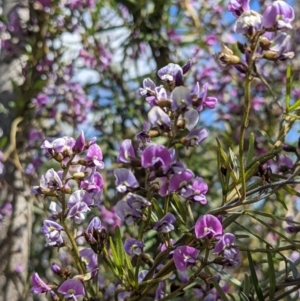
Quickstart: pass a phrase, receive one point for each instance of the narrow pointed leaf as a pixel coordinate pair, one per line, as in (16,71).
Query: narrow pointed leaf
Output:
(250,152)
(288,88)
(257,288)
(272,276)
(119,245)
(180,208)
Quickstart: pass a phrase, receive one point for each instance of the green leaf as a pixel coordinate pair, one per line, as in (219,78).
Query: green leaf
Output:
(243,296)
(257,288)
(246,285)
(293,116)
(280,199)
(272,276)
(130,271)
(234,163)
(291,190)
(266,136)
(114,254)
(157,208)
(119,245)
(288,88)
(219,289)
(250,152)
(179,207)
(295,106)
(229,220)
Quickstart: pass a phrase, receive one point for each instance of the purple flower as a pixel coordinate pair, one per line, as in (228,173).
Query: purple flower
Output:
(179,180)
(93,182)
(126,152)
(281,45)
(159,293)
(133,246)
(80,196)
(237,7)
(202,99)
(181,98)
(196,192)
(80,143)
(56,269)
(137,201)
(62,146)
(278,14)
(184,256)
(194,137)
(292,226)
(190,117)
(231,257)
(162,184)
(171,73)
(142,274)
(158,118)
(126,213)
(110,217)
(148,90)
(71,289)
(94,225)
(165,224)
(48,183)
(94,156)
(77,212)
(90,258)
(248,23)
(225,242)
(52,230)
(208,226)
(125,180)
(156,156)
(38,285)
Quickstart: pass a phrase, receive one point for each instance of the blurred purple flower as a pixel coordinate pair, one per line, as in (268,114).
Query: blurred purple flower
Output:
(133,246)
(248,23)
(237,7)
(171,73)
(80,196)
(278,14)
(181,98)
(156,156)
(126,152)
(94,156)
(79,145)
(126,213)
(158,118)
(165,224)
(90,258)
(125,180)
(38,285)
(71,289)
(292,226)
(52,230)
(194,137)
(178,180)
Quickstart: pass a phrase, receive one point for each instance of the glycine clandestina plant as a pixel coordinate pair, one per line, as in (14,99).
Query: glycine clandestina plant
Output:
(168,253)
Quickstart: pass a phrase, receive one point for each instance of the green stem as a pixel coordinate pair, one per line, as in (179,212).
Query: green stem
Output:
(245,121)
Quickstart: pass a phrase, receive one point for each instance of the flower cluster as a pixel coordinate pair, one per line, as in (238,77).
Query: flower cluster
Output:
(210,229)
(266,32)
